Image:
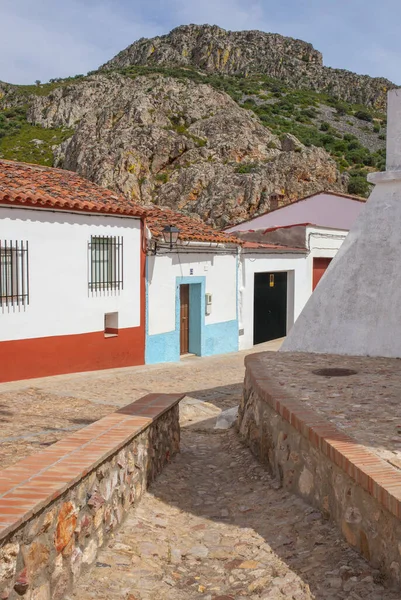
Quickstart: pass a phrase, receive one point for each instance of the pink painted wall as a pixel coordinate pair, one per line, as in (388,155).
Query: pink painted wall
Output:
(325,210)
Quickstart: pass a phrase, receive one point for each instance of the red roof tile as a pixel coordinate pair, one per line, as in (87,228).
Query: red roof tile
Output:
(44,187)
(190,229)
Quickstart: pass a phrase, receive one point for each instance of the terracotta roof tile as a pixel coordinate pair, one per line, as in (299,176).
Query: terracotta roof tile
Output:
(45,187)
(191,229)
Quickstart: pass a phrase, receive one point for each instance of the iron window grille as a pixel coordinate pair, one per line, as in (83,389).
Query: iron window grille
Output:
(14,275)
(106,263)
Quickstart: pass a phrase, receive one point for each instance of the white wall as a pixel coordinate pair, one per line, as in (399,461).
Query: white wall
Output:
(323,210)
(321,242)
(60,302)
(297,290)
(221,277)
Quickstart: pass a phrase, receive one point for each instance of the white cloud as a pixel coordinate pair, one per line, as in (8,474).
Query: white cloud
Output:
(42,39)
(229,14)
(46,39)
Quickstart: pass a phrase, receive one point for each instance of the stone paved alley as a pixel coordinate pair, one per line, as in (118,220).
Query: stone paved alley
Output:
(56,406)
(213,526)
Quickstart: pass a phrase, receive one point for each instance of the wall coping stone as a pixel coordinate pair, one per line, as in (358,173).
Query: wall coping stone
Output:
(34,482)
(374,475)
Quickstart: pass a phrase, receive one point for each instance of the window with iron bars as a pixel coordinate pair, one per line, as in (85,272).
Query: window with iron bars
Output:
(105,263)
(14,276)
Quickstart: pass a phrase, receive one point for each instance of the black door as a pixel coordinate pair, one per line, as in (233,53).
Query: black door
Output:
(269,307)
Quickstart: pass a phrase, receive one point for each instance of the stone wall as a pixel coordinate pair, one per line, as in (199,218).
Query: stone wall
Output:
(326,468)
(44,551)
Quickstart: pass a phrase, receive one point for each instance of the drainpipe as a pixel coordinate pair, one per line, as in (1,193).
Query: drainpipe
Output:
(240,290)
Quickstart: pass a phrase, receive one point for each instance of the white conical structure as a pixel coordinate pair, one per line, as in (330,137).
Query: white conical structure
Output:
(356,308)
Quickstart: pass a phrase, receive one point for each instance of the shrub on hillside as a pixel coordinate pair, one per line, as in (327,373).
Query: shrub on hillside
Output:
(246,168)
(309,112)
(341,111)
(363,115)
(358,186)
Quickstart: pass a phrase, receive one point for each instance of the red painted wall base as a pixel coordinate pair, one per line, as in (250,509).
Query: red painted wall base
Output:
(41,357)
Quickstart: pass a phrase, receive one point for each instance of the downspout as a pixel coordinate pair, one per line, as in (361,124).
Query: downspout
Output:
(143,288)
(240,291)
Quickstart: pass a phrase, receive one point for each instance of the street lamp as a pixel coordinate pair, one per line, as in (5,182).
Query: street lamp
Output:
(170,235)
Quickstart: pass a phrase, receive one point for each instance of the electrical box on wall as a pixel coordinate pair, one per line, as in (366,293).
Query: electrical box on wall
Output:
(208,303)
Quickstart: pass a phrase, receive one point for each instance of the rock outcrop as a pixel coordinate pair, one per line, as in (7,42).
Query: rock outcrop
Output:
(215,50)
(179,144)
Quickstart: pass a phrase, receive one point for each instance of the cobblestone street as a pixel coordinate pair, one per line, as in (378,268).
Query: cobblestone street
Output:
(214,527)
(56,406)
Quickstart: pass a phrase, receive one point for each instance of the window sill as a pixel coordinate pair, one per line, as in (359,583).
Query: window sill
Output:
(110,335)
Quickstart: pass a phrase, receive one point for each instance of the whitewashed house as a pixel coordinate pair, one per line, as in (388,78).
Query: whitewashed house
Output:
(285,253)
(191,288)
(89,281)
(72,287)
(82,288)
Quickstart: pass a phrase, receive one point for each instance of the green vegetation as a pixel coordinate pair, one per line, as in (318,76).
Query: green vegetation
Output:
(280,108)
(162,177)
(21,147)
(286,110)
(24,142)
(363,115)
(11,120)
(358,185)
(181,129)
(246,167)
(43,89)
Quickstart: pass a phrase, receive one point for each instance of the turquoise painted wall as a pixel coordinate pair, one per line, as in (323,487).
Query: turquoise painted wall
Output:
(196,314)
(204,340)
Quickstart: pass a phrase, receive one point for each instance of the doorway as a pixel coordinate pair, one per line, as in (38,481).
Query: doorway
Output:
(269,307)
(320,265)
(184,319)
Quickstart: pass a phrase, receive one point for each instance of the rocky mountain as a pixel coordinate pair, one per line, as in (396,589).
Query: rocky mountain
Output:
(215,50)
(168,122)
(179,144)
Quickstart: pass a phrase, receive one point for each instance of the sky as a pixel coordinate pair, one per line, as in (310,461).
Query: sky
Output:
(44,39)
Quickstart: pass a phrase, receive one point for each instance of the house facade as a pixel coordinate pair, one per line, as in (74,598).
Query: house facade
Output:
(72,285)
(284,255)
(191,290)
(89,281)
